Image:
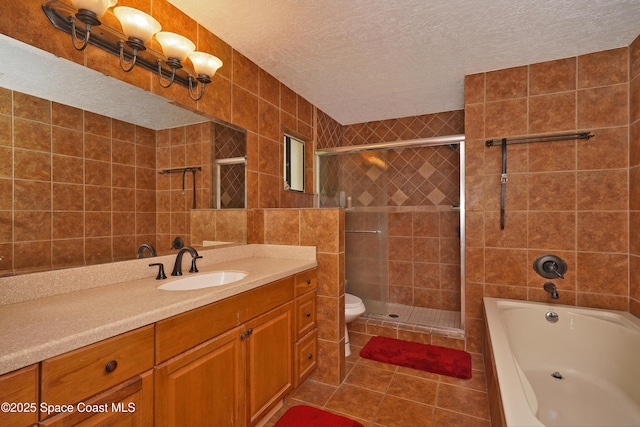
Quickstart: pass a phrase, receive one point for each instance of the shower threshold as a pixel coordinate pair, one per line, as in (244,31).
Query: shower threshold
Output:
(419,316)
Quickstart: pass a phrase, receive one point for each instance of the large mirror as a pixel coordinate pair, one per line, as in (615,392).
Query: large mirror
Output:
(92,168)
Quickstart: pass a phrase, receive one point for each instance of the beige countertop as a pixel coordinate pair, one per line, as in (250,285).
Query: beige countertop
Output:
(32,330)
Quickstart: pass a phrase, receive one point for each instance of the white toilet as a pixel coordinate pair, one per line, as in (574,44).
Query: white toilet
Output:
(353,308)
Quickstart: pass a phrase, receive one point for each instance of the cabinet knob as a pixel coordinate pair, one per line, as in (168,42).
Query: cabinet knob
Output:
(308,281)
(244,336)
(111,366)
(310,356)
(250,331)
(308,314)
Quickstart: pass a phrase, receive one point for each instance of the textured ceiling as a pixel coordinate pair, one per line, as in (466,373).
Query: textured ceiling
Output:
(364,60)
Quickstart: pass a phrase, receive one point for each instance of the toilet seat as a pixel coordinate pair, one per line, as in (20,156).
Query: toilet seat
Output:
(351,301)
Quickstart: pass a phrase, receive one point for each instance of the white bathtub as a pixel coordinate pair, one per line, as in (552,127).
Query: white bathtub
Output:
(595,352)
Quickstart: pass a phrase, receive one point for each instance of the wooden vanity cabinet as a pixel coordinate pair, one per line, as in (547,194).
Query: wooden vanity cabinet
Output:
(20,389)
(305,352)
(235,377)
(225,364)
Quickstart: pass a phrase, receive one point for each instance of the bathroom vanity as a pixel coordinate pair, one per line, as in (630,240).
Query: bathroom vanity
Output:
(225,356)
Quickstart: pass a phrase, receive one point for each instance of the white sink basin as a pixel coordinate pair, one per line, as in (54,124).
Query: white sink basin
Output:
(203,280)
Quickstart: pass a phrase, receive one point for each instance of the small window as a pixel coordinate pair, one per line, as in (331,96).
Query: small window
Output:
(293,164)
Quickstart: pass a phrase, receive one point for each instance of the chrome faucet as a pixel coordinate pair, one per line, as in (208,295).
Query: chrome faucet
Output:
(177,268)
(142,247)
(551,288)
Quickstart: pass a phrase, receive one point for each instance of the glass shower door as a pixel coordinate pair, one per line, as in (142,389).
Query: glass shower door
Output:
(357,182)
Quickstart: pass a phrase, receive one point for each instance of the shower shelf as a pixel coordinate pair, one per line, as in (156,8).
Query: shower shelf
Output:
(364,231)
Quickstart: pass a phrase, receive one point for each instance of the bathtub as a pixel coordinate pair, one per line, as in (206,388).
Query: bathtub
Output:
(582,370)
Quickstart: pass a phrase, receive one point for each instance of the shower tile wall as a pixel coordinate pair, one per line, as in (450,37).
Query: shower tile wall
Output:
(230,143)
(418,187)
(76,188)
(570,198)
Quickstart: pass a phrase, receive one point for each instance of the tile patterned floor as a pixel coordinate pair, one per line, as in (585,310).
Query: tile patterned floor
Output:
(383,395)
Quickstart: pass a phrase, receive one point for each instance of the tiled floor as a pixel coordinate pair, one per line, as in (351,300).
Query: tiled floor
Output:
(382,395)
(420,316)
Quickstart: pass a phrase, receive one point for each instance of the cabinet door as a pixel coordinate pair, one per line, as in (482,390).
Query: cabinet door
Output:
(20,389)
(203,386)
(269,360)
(127,404)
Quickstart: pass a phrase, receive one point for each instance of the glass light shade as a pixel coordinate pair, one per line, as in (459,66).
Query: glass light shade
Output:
(206,64)
(99,7)
(175,45)
(136,24)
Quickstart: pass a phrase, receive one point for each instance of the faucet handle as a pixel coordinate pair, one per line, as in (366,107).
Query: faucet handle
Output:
(194,268)
(161,275)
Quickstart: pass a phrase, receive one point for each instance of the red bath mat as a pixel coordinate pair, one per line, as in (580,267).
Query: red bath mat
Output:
(425,357)
(308,416)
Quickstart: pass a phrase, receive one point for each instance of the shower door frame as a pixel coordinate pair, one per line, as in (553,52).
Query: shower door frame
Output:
(414,143)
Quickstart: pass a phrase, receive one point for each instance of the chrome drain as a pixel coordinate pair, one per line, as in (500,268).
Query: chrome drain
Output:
(557,375)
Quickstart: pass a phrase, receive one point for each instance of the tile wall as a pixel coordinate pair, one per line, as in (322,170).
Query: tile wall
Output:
(634,178)
(185,146)
(323,228)
(570,198)
(76,188)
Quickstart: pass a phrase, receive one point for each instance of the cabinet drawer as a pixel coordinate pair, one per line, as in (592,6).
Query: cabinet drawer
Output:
(306,357)
(305,320)
(127,404)
(305,282)
(20,388)
(82,373)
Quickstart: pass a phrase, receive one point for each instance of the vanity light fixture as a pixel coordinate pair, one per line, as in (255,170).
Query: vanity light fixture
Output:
(139,29)
(131,43)
(89,12)
(176,48)
(205,66)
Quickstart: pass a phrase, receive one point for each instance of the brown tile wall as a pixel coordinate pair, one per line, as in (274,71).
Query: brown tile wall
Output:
(424,258)
(634,178)
(180,147)
(76,188)
(569,198)
(323,228)
(241,92)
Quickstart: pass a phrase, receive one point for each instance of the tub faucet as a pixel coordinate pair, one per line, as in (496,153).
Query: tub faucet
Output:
(551,288)
(177,268)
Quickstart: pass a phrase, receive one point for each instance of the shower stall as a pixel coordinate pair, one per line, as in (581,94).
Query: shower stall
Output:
(404,226)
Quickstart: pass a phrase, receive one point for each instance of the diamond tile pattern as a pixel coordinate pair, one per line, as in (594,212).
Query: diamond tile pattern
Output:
(427,176)
(232,179)
(229,142)
(403,177)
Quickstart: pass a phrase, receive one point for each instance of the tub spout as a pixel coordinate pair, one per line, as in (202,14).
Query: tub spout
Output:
(551,288)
